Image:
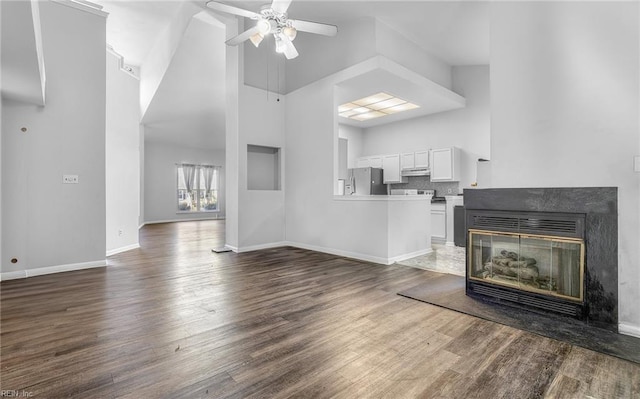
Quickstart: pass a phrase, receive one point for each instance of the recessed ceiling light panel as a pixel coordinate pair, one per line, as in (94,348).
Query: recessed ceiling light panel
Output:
(373,99)
(368,115)
(374,106)
(400,108)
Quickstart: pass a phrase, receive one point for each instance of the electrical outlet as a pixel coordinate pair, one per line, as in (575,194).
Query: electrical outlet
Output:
(449,191)
(69,179)
(120,232)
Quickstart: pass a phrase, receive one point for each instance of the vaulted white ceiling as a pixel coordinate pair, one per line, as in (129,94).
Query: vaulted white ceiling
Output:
(185,107)
(455,31)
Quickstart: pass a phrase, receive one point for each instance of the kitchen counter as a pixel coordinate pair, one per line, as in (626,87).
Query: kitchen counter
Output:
(383,228)
(382,198)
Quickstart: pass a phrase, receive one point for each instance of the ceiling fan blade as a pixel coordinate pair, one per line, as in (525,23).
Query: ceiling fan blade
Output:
(214,5)
(280,6)
(314,27)
(234,41)
(289,49)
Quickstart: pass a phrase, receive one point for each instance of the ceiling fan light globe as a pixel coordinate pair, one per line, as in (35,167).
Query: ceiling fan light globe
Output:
(290,31)
(256,39)
(264,27)
(279,46)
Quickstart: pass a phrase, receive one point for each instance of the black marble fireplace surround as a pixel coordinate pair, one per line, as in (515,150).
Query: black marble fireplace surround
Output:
(600,208)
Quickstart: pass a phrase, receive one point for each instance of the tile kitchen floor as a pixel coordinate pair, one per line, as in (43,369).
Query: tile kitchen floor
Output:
(443,259)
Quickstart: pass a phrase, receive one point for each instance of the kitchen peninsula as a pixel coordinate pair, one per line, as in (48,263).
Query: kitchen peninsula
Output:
(398,226)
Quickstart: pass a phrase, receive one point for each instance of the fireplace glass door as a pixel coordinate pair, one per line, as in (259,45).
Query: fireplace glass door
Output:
(546,265)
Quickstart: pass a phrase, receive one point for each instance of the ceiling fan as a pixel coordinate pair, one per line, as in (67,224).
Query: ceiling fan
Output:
(273,19)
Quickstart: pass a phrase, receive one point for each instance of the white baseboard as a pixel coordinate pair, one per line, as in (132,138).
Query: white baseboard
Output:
(629,329)
(346,254)
(410,255)
(332,251)
(256,247)
(231,247)
(182,220)
(51,269)
(123,249)
(13,275)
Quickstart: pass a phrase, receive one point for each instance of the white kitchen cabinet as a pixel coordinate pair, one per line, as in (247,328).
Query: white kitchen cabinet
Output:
(407,160)
(418,159)
(362,163)
(445,164)
(438,223)
(421,159)
(369,162)
(391,169)
(375,162)
(372,162)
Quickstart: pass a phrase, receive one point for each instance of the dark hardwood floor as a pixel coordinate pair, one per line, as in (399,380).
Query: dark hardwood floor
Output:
(172,319)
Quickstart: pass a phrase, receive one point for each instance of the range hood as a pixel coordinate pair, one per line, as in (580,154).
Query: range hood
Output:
(416,172)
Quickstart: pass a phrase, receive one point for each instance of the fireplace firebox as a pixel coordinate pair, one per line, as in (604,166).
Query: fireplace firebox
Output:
(531,259)
(550,250)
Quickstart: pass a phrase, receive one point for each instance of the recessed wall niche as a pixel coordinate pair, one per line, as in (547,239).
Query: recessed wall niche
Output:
(263,168)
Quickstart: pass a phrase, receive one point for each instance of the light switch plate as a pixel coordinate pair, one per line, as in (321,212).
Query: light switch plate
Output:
(636,164)
(69,179)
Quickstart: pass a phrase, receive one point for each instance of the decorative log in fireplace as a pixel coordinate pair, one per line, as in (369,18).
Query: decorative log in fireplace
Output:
(546,250)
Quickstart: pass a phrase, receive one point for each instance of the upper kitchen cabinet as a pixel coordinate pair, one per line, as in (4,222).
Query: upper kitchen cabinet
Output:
(445,164)
(421,159)
(369,162)
(418,159)
(408,160)
(391,169)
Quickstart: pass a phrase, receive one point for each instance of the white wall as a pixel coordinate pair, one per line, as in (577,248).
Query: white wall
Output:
(160,196)
(1,189)
(263,168)
(346,49)
(397,47)
(355,137)
(141,169)
(47,224)
(261,216)
(564,100)
(234,59)
(159,58)
(467,128)
(122,157)
(313,218)
(23,63)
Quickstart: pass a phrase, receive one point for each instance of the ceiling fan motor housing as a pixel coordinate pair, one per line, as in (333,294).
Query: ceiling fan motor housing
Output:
(278,21)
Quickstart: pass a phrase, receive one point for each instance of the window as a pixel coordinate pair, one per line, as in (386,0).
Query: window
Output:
(197,187)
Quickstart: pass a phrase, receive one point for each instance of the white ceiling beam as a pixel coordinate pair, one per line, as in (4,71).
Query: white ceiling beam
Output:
(159,58)
(23,68)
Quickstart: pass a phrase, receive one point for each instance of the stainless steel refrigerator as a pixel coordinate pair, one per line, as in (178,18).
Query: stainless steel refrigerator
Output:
(365,181)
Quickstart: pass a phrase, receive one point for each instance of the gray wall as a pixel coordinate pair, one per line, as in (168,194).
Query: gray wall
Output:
(46,223)
(122,157)
(160,180)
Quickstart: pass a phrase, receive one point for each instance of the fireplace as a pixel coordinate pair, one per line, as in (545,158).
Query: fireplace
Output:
(532,259)
(545,250)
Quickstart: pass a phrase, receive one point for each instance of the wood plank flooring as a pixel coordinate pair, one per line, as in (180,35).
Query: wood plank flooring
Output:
(172,319)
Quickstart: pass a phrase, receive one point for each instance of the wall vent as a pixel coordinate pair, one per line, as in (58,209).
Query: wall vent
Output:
(561,224)
(529,300)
